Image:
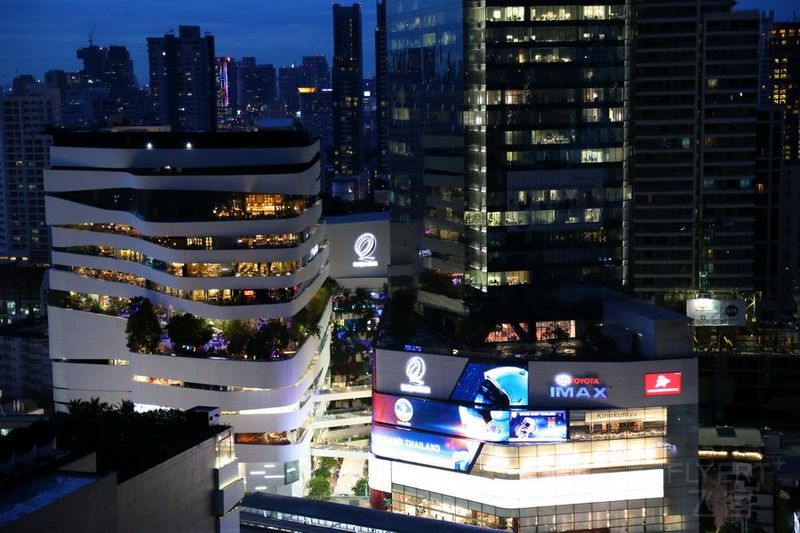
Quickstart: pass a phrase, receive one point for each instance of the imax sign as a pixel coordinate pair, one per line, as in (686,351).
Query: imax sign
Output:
(566,386)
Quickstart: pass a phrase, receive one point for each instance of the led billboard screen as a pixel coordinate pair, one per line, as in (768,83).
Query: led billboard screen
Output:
(537,426)
(428,449)
(488,384)
(474,422)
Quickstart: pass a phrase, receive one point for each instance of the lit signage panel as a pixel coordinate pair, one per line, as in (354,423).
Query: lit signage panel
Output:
(473,422)
(713,312)
(364,247)
(417,374)
(489,384)
(612,384)
(427,449)
(538,426)
(666,383)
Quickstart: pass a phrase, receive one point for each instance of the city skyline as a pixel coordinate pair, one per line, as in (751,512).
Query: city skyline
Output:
(67,28)
(34,45)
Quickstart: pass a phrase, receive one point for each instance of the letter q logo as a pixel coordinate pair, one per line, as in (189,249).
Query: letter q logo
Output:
(415,370)
(365,247)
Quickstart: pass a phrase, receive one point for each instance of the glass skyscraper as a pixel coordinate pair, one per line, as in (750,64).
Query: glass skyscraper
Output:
(508,144)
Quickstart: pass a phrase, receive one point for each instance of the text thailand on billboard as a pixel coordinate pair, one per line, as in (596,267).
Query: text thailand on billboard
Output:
(429,449)
(475,421)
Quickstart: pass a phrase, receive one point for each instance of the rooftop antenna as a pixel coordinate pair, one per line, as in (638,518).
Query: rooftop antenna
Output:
(91,35)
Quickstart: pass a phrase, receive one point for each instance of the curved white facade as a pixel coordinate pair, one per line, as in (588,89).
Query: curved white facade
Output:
(102,254)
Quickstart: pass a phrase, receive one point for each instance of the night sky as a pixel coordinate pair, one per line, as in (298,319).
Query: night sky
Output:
(39,35)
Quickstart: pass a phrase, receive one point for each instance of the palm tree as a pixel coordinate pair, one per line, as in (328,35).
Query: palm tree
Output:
(126,408)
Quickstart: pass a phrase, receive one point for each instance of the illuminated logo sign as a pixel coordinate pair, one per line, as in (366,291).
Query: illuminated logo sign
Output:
(567,386)
(365,247)
(415,371)
(403,410)
(666,383)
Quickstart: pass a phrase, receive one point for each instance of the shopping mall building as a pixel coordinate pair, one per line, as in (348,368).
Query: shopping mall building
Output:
(223,226)
(545,442)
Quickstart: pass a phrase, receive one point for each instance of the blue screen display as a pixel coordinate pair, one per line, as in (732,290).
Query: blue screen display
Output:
(471,421)
(497,386)
(427,449)
(537,426)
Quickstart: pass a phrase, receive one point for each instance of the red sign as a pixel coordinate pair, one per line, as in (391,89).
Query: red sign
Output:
(662,384)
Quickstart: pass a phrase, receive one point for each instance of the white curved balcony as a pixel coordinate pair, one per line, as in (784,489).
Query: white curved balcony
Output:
(186,398)
(233,372)
(63,237)
(267,423)
(304,182)
(64,212)
(89,377)
(194,283)
(67,281)
(83,335)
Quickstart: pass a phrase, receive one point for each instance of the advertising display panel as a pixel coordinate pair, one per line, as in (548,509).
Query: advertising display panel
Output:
(417,374)
(427,449)
(604,384)
(474,422)
(447,377)
(488,384)
(538,426)
(666,383)
(712,312)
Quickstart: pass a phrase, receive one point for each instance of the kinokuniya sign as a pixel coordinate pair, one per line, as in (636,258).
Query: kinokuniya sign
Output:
(568,386)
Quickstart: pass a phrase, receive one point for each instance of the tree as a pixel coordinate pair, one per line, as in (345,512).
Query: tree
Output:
(143,327)
(319,488)
(268,340)
(361,487)
(188,331)
(303,325)
(237,333)
(126,408)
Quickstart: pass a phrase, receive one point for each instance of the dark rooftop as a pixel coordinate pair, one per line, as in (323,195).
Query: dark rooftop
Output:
(168,140)
(347,514)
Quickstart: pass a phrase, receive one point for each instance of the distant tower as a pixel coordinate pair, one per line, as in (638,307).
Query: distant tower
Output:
(24,154)
(287,87)
(183,79)
(382,112)
(347,94)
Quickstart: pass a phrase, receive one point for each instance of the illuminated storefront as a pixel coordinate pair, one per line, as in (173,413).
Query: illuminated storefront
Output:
(536,445)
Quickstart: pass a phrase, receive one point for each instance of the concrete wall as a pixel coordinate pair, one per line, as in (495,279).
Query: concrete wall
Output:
(177,495)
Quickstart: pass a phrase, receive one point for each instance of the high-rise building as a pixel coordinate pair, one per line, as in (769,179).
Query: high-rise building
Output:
(316,107)
(782,79)
(226,83)
(695,97)
(777,220)
(118,73)
(287,88)
(187,270)
(381,90)
(512,160)
(94,63)
(57,79)
(25,116)
(347,93)
(316,72)
(183,79)
(257,85)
